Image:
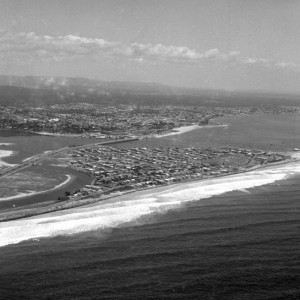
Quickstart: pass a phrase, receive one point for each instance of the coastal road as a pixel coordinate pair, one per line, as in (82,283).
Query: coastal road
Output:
(49,154)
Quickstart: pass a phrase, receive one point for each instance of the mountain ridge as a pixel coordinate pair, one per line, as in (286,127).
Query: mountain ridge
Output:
(44,90)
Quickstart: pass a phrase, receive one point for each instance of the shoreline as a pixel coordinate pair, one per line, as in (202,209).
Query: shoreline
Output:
(184,129)
(174,131)
(93,199)
(34,156)
(5,153)
(111,211)
(44,133)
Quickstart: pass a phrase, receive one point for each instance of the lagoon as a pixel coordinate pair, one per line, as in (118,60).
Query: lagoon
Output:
(266,132)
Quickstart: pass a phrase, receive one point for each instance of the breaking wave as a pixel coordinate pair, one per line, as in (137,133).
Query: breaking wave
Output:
(127,208)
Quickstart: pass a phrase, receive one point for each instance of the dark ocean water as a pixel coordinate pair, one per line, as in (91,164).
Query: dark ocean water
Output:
(233,246)
(238,245)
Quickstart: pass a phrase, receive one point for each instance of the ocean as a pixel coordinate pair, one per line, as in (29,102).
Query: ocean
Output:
(272,132)
(235,237)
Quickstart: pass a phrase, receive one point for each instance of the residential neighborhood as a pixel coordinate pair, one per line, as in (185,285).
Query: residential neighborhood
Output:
(116,121)
(114,169)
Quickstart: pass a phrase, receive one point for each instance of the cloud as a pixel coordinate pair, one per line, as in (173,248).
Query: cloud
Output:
(30,46)
(71,46)
(213,54)
(269,63)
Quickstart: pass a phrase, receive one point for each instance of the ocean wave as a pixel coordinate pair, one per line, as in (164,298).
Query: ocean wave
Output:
(128,208)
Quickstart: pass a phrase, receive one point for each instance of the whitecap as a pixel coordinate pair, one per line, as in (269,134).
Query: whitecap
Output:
(127,208)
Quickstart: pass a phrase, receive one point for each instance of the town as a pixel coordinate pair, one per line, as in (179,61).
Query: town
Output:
(113,169)
(90,120)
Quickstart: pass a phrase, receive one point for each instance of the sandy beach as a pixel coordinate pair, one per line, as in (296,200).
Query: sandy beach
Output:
(132,206)
(199,189)
(5,153)
(178,130)
(184,129)
(57,134)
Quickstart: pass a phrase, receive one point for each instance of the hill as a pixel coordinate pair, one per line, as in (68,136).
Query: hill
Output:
(40,90)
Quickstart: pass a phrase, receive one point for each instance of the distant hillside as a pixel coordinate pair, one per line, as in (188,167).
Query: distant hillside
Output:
(20,96)
(37,91)
(83,85)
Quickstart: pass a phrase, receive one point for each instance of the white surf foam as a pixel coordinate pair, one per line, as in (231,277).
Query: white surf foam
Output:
(5,153)
(128,208)
(178,130)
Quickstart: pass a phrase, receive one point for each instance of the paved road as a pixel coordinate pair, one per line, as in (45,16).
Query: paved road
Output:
(40,157)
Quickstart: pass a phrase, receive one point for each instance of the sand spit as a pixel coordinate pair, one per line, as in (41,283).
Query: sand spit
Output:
(6,144)
(178,130)
(56,134)
(184,129)
(5,153)
(115,211)
(36,155)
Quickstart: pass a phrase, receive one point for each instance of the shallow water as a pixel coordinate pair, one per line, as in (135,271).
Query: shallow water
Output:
(109,214)
(238,239)
(27,146)
(233,246)
(267,132)
(45,179)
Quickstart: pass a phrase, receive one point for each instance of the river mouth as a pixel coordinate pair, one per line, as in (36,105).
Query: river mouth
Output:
(256,131)
(39,184)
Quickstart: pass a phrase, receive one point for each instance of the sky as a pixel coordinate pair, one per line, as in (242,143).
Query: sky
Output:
(216,44)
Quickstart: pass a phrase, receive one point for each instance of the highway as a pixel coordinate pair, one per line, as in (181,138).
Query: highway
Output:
(49,154)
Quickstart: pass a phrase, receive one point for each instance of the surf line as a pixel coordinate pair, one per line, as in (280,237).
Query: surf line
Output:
(126,209)
(91,199)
